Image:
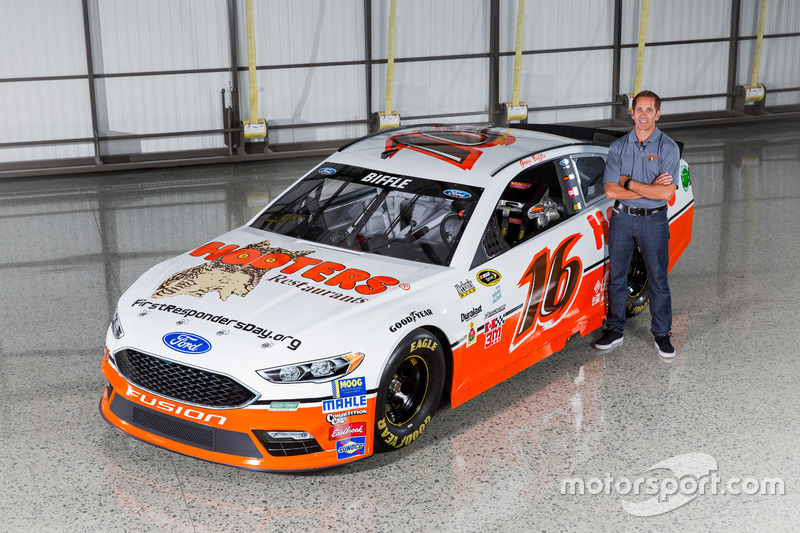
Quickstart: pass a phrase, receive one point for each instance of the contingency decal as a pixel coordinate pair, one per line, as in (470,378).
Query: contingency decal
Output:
(233,270)
(552,281)
(349,387)
(461,148)
(350,447)
(488,277)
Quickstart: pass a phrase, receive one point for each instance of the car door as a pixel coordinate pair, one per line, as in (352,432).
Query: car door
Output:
(540,273)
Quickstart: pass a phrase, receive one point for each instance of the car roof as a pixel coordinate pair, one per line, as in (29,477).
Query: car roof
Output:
(443,152)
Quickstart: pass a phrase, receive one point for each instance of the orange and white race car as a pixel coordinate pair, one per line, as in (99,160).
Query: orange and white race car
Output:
(412,266)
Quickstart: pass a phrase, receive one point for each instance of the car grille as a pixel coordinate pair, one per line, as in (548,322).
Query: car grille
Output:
(286,447)
(180,382)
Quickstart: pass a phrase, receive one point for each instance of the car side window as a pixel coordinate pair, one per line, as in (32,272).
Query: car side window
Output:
(590,170)
(531,202)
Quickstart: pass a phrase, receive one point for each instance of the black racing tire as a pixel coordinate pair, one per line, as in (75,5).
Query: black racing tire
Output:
(409,392)
(638,287)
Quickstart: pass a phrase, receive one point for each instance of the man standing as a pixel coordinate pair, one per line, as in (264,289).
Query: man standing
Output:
(638,176)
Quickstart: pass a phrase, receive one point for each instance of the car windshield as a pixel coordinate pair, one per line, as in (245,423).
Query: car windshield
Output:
(386,214)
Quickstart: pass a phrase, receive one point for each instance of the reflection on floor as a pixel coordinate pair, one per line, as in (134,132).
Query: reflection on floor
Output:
(505,461)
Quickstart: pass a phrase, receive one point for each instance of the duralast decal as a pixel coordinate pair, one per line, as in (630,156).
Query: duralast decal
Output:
(247,327)
(233,270)
(469,315)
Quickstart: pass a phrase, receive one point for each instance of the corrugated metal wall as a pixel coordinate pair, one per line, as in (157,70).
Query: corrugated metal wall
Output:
(161,79)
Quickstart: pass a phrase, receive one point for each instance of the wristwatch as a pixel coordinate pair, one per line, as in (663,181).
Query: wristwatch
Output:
(627,184)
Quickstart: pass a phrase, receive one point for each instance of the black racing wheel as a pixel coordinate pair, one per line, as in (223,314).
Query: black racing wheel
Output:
(409,392)
(638,289)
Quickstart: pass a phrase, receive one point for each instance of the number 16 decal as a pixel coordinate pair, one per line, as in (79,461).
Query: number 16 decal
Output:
(552,285)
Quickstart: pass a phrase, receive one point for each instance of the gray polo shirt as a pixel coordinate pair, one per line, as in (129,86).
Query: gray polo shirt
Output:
(643,162)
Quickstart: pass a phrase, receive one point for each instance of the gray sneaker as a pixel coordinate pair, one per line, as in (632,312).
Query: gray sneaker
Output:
(609,339)
(664,347)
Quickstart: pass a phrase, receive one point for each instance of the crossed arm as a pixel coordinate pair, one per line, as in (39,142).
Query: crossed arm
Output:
(661,189)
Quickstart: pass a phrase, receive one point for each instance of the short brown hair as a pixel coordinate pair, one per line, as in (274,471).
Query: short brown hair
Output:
(647,94)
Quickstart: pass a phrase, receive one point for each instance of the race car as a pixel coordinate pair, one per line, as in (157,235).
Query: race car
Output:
(414,268)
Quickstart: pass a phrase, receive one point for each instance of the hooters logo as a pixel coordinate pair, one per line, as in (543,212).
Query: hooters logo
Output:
(552,281)
(458,147)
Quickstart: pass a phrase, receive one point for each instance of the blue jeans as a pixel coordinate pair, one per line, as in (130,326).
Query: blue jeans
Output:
(651,233)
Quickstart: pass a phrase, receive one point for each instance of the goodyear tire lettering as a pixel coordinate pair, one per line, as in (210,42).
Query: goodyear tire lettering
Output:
(409,391)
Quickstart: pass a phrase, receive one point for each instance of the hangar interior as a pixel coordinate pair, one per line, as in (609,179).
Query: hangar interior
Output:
(119,149)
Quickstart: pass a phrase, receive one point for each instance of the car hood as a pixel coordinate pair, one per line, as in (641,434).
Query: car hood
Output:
(268,291)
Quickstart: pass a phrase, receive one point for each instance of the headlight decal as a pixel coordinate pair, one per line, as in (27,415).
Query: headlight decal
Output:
(116,326)
(319,370)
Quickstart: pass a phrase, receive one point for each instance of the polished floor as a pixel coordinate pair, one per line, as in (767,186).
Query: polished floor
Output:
(728,406)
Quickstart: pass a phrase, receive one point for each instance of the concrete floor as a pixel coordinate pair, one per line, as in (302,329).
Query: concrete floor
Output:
(728,404)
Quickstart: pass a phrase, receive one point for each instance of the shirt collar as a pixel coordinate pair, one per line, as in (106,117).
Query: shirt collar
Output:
(654,137)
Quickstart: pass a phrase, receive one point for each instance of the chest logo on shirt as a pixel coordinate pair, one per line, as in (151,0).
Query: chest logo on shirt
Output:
(650,158)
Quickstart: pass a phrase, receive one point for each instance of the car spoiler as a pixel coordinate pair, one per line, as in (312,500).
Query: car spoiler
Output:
(596,135)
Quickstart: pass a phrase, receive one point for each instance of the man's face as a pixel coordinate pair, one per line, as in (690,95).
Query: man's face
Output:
(644,113)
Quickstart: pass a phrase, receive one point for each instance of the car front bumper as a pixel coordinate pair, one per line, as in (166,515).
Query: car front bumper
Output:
(238,436)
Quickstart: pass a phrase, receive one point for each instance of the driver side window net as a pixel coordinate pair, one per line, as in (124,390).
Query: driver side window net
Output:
(590,170)
(531,203)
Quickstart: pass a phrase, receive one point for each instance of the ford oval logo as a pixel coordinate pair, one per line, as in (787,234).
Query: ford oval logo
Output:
(455,193)
(328,171)
(186,342)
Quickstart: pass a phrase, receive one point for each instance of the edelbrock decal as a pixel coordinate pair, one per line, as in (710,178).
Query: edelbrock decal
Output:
(186,342)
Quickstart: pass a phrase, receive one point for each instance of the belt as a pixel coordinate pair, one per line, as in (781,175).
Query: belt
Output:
(639,211)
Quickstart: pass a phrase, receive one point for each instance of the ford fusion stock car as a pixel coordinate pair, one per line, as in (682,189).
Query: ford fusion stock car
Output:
(413,267)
